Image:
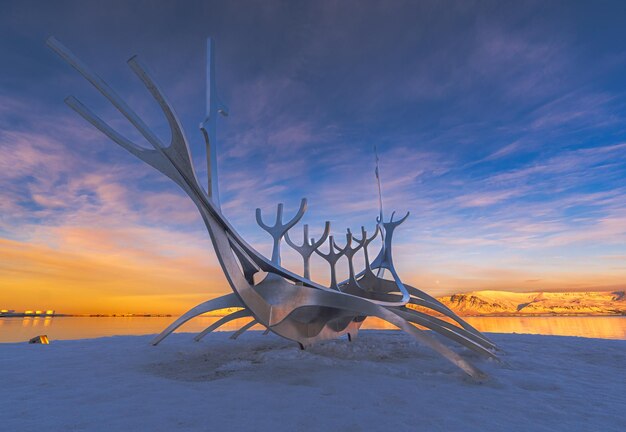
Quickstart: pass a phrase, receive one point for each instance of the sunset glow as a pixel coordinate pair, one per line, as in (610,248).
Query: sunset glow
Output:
(504,138)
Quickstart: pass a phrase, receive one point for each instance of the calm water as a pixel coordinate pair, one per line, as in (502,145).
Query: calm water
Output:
(22,329)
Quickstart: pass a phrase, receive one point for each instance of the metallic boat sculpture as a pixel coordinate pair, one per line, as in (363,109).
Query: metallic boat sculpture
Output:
(292,306)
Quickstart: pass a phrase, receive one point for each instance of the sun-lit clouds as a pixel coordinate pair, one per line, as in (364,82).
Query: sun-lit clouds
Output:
(85,234)
(97,278)
(499,128)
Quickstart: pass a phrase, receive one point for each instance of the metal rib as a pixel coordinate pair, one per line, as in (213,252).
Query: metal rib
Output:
(223,302)
(243,329)
(450,332)
(220,322)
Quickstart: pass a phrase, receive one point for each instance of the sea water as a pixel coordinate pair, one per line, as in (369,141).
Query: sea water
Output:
(22,329)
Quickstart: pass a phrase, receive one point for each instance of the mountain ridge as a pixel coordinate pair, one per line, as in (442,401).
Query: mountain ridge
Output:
(506,303)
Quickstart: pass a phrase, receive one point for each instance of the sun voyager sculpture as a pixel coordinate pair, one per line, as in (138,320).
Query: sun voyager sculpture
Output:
(289,305)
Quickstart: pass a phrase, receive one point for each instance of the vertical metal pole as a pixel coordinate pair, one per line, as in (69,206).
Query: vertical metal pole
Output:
(380,192)
(381,271)
(209,125)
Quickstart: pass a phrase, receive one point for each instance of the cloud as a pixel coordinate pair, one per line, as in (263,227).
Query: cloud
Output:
(486,199)
(495,128)
(89,272)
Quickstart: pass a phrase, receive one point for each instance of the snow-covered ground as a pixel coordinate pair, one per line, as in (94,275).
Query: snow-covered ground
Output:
(598,303)
(381,381)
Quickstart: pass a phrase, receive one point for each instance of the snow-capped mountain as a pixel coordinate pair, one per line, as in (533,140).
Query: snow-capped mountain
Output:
(537,303)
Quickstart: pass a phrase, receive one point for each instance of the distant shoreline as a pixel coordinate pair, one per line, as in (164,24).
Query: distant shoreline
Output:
(23,315)
(542,315)
(526,315)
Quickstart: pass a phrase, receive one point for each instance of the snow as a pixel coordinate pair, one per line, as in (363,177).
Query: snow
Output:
(599,303)
(381,381)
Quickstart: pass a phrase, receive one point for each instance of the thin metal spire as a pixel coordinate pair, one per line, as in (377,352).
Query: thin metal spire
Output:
(381,270)
(380,193)
(209,125)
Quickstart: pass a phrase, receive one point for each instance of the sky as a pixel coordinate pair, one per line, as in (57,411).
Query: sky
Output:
(499,125)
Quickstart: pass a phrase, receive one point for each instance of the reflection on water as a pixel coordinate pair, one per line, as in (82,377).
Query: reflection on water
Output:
(22,329)
(593,327)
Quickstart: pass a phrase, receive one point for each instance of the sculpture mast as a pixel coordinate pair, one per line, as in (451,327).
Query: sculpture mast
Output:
(209,125)
(283,302)
(381,271)
(380,192)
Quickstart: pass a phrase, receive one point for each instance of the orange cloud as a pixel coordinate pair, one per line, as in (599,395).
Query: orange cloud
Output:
(88,274)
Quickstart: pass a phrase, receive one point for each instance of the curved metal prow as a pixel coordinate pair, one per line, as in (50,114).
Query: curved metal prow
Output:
(303,311)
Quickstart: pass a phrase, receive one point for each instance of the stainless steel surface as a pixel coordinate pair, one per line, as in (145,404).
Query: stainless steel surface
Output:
(333,255)
(308,246)
(209,126)
(243,329)
(292,306)
(220,322)
(279,229)
(229,300)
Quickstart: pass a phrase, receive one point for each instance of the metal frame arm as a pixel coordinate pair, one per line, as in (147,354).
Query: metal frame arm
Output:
(331,258)
(220,322)
(278,230)
(229,300)
(308,246)
(106,91)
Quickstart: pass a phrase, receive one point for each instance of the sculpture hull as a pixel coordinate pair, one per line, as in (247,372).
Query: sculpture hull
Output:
(292,306)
